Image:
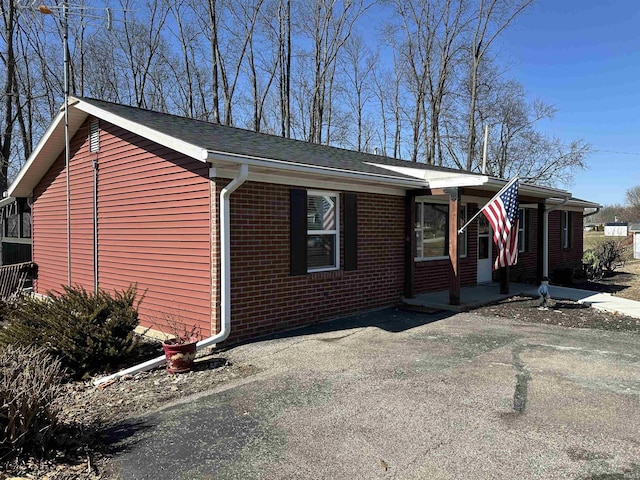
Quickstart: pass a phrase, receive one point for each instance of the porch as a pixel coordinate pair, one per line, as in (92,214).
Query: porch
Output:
(470,297)
(476,296)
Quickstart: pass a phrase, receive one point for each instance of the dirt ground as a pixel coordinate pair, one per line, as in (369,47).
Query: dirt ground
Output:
(624,282)
(86,409)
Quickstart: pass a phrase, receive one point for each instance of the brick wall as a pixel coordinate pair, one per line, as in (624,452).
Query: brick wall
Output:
(265,298)
(526,270)
(565,257)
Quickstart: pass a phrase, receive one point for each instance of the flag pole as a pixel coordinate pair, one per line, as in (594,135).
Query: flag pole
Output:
(509,183)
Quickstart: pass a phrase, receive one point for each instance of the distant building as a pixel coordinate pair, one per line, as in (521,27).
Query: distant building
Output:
(616,229)
(634,229)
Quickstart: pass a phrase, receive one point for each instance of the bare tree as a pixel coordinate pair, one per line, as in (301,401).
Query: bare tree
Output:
(284,62)
(328,26)
(632,197)
(516,147)
(141,43)
(9,21)
(358,66)
(493,17)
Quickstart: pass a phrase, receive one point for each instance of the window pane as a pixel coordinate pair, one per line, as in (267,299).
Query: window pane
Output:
(434,230)
(483,247)
(521,230)
(26,225)
(321,212)
(417,223)
(321,251)
(462,238)
(12,225)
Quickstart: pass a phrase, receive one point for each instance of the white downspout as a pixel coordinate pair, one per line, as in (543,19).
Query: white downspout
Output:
(225,282)
(545,243)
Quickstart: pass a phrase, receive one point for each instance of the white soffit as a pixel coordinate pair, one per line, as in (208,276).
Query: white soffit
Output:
(435,178)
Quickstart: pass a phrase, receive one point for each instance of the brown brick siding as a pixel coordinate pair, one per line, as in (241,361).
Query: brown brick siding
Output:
(266,298)
(433,275)
(558,256)
(526,268)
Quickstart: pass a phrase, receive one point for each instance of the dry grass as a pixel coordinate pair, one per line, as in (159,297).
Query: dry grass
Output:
(591,239)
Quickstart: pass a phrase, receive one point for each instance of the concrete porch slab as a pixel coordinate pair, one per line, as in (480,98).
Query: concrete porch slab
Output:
(470,297)
(479,295)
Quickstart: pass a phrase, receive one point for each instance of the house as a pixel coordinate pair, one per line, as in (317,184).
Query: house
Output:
(634,231)
(214,222)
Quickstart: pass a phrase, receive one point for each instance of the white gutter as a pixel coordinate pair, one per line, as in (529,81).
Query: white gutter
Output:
(215,157)
(225,282)
(545,230)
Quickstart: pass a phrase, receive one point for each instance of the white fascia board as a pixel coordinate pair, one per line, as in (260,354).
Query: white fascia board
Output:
(435,178)
(293,168)
(320,182)
(419,173)
(533,190)
(21,187)
(188,149)
(457,181)
(6,201)
(574,203)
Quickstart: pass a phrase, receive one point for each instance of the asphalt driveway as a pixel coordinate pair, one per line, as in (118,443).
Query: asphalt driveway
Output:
(406,395)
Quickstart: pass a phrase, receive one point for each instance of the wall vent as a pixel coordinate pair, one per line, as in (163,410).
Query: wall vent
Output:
(94,135)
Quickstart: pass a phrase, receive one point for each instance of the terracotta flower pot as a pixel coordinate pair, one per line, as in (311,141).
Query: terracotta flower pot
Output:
(180,356)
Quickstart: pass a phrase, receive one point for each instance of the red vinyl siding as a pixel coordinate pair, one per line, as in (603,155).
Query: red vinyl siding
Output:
(49,229)
(154,226)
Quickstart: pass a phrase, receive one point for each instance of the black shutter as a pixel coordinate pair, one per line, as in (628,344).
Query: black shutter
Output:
(570,228)
(350,231)
(298,232)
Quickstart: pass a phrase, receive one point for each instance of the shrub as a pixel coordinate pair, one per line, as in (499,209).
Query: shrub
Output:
(29,384)
(604,258)
(591,264)
(87,331)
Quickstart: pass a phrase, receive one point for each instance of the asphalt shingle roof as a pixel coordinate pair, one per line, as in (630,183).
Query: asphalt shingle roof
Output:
(232,140)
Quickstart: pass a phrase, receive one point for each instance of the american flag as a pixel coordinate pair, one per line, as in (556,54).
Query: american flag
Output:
(502,213)
(329,215)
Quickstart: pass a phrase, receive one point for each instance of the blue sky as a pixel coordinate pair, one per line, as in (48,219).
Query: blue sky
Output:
(583,57)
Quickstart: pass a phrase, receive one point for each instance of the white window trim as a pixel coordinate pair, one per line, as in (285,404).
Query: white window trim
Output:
(522,227)
(336,232)
(421,229)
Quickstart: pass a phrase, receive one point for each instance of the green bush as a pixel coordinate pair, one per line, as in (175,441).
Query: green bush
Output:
(87,331)
(604,258)
(29,384)
(591,264)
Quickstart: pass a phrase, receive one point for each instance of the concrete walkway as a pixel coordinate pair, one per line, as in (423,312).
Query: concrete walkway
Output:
(479,295)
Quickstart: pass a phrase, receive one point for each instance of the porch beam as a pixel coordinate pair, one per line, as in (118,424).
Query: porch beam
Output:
(425,192)
(454,254)
(540,246)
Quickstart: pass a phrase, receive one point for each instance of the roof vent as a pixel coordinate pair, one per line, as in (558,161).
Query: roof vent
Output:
(94,135)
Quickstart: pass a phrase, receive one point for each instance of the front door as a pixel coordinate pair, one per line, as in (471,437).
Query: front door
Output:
(484,250)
